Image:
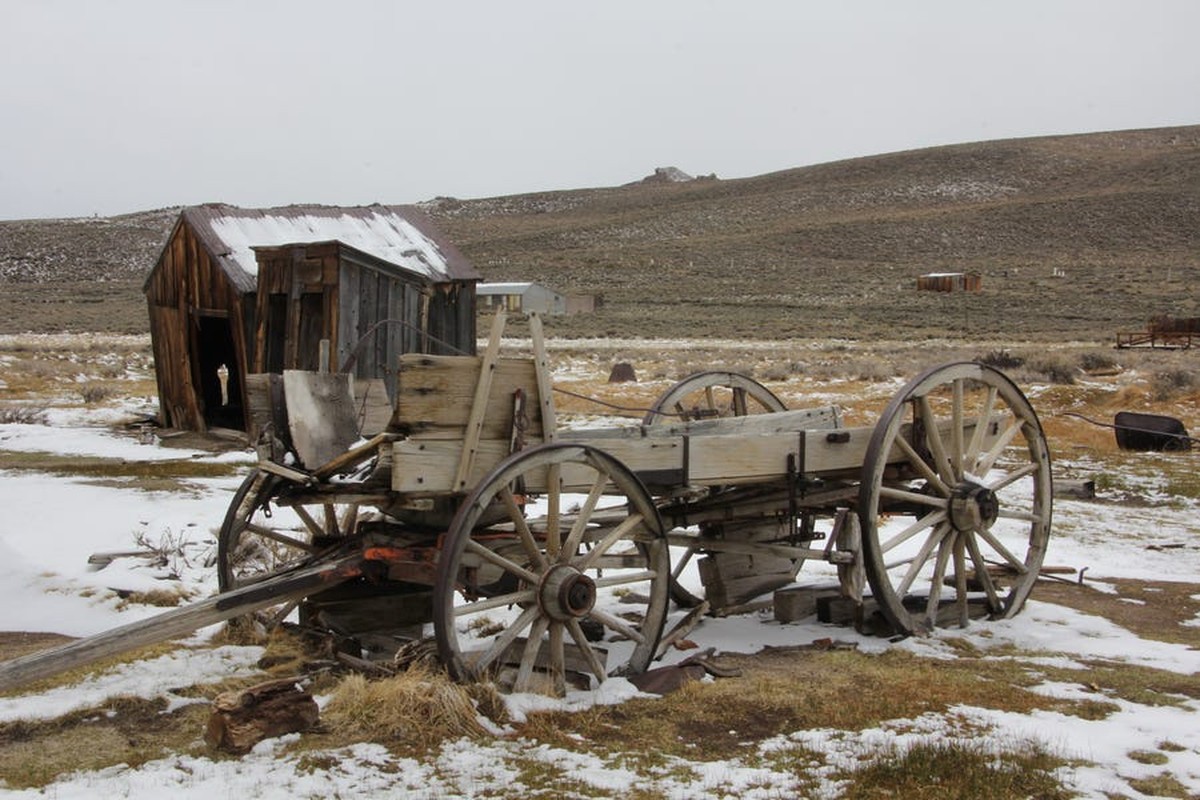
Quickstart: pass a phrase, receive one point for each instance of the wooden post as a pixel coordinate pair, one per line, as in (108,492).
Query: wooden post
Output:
(542,369)
(483,388)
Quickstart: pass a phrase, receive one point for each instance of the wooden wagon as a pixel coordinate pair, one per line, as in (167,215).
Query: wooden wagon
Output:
(537,556)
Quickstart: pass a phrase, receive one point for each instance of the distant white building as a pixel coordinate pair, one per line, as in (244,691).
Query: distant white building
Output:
(526,297)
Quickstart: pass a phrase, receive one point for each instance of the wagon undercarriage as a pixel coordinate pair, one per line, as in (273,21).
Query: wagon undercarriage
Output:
(539,557)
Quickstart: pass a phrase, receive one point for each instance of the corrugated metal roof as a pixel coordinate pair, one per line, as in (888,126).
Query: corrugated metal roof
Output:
(399,235)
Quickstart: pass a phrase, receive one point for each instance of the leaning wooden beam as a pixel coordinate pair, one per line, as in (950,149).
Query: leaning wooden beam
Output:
(479,407)
(179,622)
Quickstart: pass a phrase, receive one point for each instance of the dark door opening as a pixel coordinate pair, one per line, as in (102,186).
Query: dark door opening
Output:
(220,378)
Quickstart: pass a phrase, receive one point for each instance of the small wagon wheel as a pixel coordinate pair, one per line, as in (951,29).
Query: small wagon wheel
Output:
(954,514)
(274,525)
(707,395)
(553,584)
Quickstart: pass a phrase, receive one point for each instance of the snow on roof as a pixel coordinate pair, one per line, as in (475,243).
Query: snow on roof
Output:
(400,236)
(511,287)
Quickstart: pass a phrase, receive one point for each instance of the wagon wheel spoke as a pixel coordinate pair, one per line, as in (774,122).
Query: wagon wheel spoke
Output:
(558,659)
(935,583)
(976,475)
(956,428)
(914,459)
(585,647)
(918,561)
(571,546)
(554,512)
(619,532)
(933,437)
(517,517)
(484,660)
(960,579)
(977,436)
(533,646)
(276,536)
(498,560)
(928,521)
(331,520)
(619,625)
(983,576)
(549,584)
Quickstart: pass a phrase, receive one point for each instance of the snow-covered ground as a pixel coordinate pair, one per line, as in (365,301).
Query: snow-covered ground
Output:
(51,524)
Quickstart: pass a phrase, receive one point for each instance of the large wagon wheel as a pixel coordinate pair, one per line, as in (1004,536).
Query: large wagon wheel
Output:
(558,579)
(955,515)
(274,525)
(707,395)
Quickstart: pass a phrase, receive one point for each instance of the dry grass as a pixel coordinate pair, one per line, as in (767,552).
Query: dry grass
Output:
(128,731)
(951,769)
(418,708)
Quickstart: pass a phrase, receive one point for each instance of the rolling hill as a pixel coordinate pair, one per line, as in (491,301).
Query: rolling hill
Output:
(1075,237)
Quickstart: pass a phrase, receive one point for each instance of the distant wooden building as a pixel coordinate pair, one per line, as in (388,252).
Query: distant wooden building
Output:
(950,282)
(238,291)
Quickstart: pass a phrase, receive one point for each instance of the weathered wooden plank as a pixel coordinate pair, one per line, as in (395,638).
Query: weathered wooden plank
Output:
(177,622)
(435,394)
(321,415)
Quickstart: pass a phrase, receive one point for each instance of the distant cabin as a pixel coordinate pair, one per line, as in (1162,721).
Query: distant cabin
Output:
(950,282)
(521,297)
(238,291)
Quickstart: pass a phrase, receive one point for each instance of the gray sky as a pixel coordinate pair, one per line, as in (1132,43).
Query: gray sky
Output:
(125,105)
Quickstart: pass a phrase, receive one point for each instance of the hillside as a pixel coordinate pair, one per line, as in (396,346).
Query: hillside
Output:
(1076,237)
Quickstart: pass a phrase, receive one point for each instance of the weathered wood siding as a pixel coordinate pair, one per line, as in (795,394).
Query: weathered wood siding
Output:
(184,286)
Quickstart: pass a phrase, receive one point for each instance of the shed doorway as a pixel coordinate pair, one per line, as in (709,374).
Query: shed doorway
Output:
(220,376)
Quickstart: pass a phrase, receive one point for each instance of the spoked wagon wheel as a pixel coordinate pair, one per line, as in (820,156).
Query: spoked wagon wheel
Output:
(528,590)
(272,526)
(955,515)
(707,395)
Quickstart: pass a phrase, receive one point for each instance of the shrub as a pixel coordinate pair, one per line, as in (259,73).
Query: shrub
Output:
(96,393)
(1001,359)
(23,415)
(1169,383)
(1091,362)
(1052,369)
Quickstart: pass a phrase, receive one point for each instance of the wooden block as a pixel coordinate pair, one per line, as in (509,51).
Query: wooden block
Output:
(733,579)
(243,718)
(794,603)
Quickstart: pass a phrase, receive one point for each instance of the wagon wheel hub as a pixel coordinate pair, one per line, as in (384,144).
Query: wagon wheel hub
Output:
(973,507)
(565,593)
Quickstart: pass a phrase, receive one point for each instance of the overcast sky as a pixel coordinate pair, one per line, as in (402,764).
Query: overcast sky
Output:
(125,105)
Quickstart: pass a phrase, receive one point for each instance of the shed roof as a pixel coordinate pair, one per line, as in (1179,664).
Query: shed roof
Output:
(509,287)
(399,235)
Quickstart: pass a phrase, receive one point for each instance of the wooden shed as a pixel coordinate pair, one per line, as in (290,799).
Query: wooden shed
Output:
(950,282)
(239,290)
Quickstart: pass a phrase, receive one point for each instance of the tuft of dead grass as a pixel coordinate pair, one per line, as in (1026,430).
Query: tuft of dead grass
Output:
(417,708)
(940,769)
